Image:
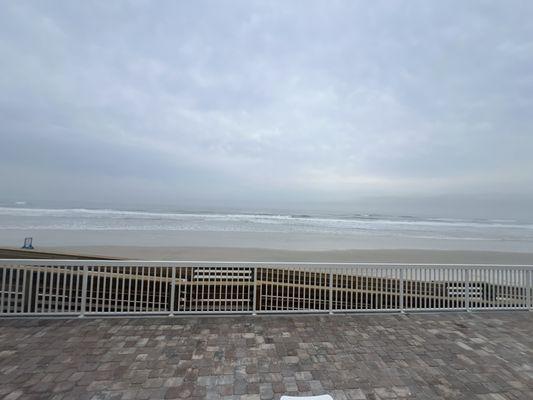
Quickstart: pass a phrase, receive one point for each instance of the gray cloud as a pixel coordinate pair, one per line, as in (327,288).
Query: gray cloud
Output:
(250,99)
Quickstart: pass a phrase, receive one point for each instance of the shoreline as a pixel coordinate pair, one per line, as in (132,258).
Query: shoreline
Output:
(207,253)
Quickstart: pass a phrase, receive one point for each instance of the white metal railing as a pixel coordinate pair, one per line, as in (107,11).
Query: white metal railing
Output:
(95,287)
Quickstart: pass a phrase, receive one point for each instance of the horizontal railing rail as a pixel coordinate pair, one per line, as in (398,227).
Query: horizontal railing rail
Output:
(96,287)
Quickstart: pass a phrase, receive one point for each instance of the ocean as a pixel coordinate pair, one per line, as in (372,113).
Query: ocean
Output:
(321,230)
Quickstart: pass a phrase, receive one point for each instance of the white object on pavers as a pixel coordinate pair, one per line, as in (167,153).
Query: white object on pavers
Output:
(322,397)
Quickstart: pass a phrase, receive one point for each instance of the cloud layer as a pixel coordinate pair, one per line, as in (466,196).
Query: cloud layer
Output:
(240,99)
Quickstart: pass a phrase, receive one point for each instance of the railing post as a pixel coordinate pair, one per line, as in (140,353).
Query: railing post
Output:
(331,291)
(254,295)
(402,307)
(84,291)
(467,289)
(172,291)
(529,288)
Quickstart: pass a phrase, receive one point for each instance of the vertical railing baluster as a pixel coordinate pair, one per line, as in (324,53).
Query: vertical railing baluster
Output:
(96,301)
(190,288)
(180,271)
(50,288)
(150,288)
(90,289)
(172,290)
(114,272)
(37,300)
(158,285)
(165,286)
(84,291)
(467,289)
(16,293)
(402,307)
(3,290)
(8,289)
(254,299)
(143,304)
(30,290)
(331,291)
(529,288)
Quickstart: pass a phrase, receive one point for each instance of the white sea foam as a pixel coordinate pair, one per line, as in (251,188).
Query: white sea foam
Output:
(372,225)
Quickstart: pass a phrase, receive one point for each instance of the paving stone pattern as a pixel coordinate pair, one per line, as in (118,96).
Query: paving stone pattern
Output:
(419,356)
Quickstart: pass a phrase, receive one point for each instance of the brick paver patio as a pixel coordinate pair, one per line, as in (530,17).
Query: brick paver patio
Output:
(432,356)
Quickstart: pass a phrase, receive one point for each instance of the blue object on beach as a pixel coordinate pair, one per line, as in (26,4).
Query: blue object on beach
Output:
(28,243)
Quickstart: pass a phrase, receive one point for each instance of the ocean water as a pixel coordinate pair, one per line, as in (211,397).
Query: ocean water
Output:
(389,230)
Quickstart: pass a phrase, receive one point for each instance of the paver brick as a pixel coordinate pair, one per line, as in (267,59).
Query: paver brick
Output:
(352,357)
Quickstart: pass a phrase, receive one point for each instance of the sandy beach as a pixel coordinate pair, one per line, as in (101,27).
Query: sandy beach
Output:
(258,254)
(263,246)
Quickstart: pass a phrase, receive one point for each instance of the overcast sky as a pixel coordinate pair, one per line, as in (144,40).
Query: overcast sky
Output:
(243,100)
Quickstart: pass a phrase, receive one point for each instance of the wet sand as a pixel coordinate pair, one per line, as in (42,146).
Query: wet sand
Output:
(258,254)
